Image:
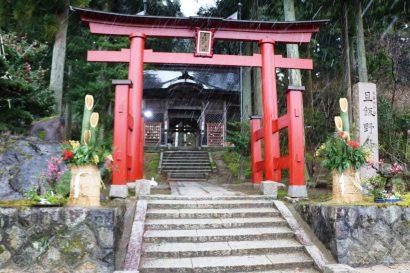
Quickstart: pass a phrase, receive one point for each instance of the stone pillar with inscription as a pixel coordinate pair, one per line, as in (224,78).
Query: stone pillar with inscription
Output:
(365,120)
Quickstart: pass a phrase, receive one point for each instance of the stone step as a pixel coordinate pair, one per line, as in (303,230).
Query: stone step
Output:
(229,248)
(186,167)
(186,155)
(183,170)
(194,164)
(214,197)
(185,152)
(217,235)
(226,263)
(209,204)
(187,172)
(183,159)
(158,224)
(211,213)
(187,175)
(193,178)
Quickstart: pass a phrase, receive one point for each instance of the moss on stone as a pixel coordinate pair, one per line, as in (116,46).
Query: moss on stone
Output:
(16,203)
(75,245)
(42,135)
(44,119)
(324,197)
(1,249)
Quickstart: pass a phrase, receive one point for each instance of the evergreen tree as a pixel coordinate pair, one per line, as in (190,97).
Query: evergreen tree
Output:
(24,95)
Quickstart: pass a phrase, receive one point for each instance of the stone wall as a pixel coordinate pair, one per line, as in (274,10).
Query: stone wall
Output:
(59,239)
(359,235)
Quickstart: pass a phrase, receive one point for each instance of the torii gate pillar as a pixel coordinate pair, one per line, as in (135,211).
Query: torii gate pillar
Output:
(135,121)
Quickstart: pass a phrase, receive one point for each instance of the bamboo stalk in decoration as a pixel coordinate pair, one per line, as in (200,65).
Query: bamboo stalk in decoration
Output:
(338,124)
(93,128)
(346,185)
(87,137)
(88,107)
(344,115)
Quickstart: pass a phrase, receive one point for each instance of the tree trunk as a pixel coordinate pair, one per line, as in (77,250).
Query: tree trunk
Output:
(256,72)
(309,84)
(57,66)
(247,86)
(68,120)
(295,78)
(346,53)
(360,48)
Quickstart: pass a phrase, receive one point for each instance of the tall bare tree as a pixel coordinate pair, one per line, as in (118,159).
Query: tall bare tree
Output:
(360,48)
(58,59)
(295,77)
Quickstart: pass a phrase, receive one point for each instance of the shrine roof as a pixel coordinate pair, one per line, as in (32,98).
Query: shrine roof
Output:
(215,79)
(89,15)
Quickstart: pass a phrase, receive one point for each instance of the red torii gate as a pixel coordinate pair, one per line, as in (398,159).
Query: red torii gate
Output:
(128,121)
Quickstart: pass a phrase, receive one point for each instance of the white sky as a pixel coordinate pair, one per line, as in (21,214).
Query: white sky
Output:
(191,7)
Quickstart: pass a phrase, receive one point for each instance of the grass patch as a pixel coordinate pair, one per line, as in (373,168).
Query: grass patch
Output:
(151,166)
(232,161)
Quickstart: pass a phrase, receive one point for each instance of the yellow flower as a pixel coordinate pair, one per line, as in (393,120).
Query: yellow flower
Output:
(75,144)
(321,148)
(96,159)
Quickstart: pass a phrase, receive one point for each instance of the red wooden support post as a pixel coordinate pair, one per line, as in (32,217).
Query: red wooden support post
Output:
(297,187)
(270,109)
(119,186)
(256,149)
(136,75)
(142,145)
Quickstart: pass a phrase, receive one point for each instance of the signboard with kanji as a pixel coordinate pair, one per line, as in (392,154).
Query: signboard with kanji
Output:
(204,43)
(365,117)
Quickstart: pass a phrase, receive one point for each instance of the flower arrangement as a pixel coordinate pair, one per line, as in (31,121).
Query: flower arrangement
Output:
(75,154)
(83,157)
(340,153)
(87,151)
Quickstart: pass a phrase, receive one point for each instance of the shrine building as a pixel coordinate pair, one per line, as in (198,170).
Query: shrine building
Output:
(189,107)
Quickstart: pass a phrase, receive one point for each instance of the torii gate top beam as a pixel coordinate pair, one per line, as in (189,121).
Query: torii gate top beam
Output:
(107,23)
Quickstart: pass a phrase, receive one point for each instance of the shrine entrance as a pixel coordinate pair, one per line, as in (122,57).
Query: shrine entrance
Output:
(184,132)
(129,128)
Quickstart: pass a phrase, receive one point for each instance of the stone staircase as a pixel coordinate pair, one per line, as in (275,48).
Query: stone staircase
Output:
(186,165)
(219,234)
